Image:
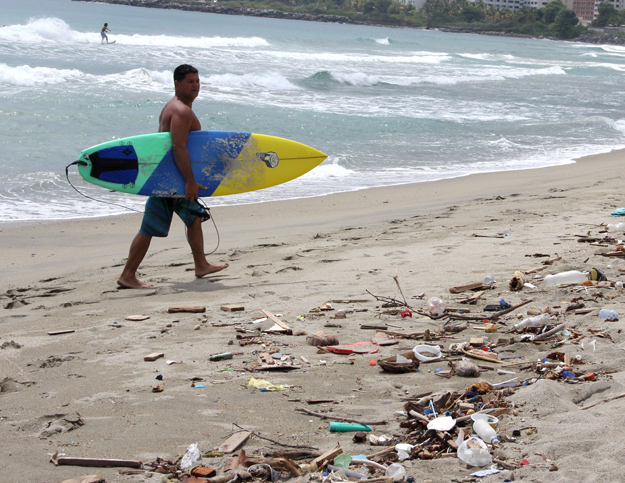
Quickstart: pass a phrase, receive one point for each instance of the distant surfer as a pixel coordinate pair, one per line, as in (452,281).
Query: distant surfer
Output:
(178,118)
(103,33)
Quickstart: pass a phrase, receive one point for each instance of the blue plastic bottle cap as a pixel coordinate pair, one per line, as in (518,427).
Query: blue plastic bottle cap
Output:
(428,411)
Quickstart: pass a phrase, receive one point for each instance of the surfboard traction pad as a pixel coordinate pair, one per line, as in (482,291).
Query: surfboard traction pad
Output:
(225,162)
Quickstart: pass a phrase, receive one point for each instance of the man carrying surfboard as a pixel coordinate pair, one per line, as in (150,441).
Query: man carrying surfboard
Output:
(178,118)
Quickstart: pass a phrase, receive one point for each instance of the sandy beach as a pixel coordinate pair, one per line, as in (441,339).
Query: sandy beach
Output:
(89,393)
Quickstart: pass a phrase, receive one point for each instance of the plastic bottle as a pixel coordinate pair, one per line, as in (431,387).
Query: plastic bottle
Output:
(485,431)
(572,276)
(341,427)
(397,471)
(488,280)
(615,226)
(608,314)
(537,321)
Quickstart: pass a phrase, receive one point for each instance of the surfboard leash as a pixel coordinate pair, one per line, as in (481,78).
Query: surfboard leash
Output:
(82,163)
(200,202)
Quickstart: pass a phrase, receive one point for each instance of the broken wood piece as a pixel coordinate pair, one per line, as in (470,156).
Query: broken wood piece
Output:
(321,461)
(192,309)
(277,321)
(473,298)
(470,286)
(284,464)
(234,441)
(85,479)
(549,333)
(59,332)
(232,308)
(153,356)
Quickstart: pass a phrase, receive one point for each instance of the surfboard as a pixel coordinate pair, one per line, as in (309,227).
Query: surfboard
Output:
(226,162)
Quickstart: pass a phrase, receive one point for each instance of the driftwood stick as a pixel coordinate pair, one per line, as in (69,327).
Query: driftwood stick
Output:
(338,418)
(549,333)
(272,441)
(496,315)
(509,466)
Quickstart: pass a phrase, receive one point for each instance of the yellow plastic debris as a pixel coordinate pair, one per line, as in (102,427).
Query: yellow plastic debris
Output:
(264,385)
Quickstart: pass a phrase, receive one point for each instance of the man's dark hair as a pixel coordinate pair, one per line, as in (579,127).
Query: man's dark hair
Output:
(182,70)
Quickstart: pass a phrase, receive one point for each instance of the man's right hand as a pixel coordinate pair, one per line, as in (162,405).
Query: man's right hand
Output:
(191,190)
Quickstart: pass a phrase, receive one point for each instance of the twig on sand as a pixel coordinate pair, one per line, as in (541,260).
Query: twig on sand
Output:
(272,441)
(400,290)
(338,418)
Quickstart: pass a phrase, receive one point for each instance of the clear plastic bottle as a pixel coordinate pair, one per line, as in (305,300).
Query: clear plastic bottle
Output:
(572,276)
(537,321)
(485,431)
(615,226)
(608,314)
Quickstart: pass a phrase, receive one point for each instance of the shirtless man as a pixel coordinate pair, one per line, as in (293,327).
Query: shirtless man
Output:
(103,33)
(178,118)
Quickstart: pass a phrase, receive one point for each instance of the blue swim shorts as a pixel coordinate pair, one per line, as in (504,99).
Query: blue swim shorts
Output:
(160,211)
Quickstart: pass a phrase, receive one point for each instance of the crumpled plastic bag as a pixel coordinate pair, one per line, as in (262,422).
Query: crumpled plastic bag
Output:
(473,451)
(264,385)
(191,457)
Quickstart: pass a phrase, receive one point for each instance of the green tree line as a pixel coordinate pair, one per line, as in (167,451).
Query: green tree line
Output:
(553,20)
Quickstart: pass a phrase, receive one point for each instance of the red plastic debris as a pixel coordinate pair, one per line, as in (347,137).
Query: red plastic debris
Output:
(406,313)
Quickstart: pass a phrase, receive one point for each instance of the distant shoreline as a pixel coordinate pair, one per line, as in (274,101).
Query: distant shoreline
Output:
(279,14)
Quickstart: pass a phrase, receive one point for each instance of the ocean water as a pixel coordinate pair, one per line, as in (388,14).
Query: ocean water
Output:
(389,106)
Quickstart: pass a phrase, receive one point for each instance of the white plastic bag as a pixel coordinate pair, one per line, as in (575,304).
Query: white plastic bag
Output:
(474,452)
(191,457)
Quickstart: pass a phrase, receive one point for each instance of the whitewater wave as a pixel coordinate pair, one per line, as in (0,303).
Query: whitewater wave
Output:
(55,30)
(489,57)
(24,75)
(267,81)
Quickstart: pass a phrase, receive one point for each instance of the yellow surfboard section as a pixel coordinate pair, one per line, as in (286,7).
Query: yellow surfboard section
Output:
(280,159)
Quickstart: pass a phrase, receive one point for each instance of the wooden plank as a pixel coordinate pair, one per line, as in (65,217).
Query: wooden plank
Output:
(232,308)
(59,332)
(97,462)
(194,309)
(277,321)
(234,442)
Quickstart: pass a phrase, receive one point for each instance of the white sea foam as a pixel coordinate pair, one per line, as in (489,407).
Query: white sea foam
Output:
(489,57)
(414,58)
(356,78)
(190,42)
(384,41)
(330,168)
(24,75)
(267,81)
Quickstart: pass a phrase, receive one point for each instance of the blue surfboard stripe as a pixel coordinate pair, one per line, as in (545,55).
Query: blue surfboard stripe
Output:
(212,148)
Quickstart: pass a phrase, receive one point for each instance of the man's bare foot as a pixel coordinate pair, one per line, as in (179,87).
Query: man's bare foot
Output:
(132,283)
(210,269)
